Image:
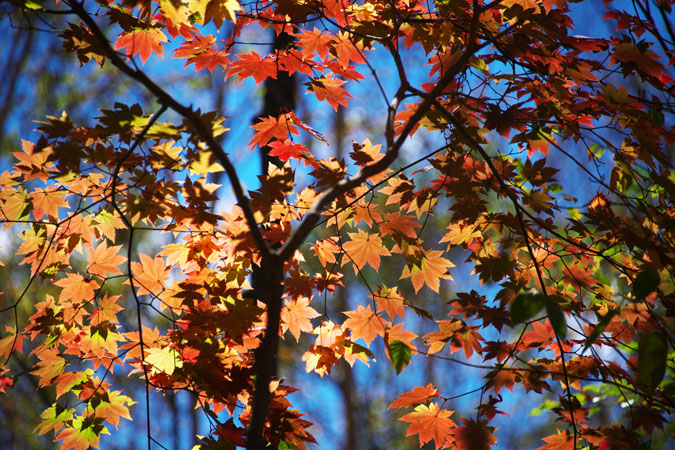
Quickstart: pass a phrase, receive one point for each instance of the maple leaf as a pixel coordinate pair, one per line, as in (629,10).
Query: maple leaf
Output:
(218,11)
(315,41)
(81,435)
(474,435)
(286,150)
(50,366)
(419,394)
(10,343)
(77,288)
(47,202)
(205,165)
(460,233)
(467,339)
(391,301)
(104,260)
(430,422)
(325,250)
(5,382)
(399,223)
(560,441)
(150,274)
(347,50)
(164,359)
(54,418)
(67,380)
(364,248)
(106,223)
(142,42)
(428,268)
(253,65)
(541,336)
(329,89)
(502,377)
(273,127)
(397,333)
(364,323)
(296,315)
(116,407)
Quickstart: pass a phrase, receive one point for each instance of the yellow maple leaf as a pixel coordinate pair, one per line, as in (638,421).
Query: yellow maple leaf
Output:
(204,166)
(163,360)
(219,10)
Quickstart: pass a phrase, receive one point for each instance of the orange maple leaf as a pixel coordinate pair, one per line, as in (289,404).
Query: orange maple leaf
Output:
(325,250)
(401,223)
(347,50)
(47,203)
(50,366)
(502,377)
(114,408)
(390,301)
(560,441)
(78,438)
(77,288)
(365,324)
(467,339)
(429,269)
(430,422)
(397,333)
(364,248)
(419,394)
(296,315)
(67,380)
(142,41)
(104,260)
(329,89)
(150,274)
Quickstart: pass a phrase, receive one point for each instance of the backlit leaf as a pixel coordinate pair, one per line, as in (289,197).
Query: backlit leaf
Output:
(431,423)
(652,355)
(525,306)
(399,352)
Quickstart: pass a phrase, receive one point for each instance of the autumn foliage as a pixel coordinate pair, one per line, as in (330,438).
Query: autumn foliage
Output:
(582,294)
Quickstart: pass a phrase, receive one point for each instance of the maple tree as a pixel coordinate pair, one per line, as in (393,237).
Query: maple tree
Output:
(584,294)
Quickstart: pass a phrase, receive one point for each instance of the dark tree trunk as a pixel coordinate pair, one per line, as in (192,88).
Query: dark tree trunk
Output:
(280,94)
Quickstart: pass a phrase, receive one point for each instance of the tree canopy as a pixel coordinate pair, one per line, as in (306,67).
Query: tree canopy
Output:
(543,156)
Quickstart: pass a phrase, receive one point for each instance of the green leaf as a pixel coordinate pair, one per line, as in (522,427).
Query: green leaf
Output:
(645,283)
(283,445)
(652,354)
(557,318)
(400,355)
(600,327)
(525,306)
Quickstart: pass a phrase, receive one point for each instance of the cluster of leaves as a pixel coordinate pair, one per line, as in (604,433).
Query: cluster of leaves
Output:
(229,283)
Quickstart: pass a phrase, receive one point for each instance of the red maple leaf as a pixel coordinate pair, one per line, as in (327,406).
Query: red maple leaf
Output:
(253,65)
